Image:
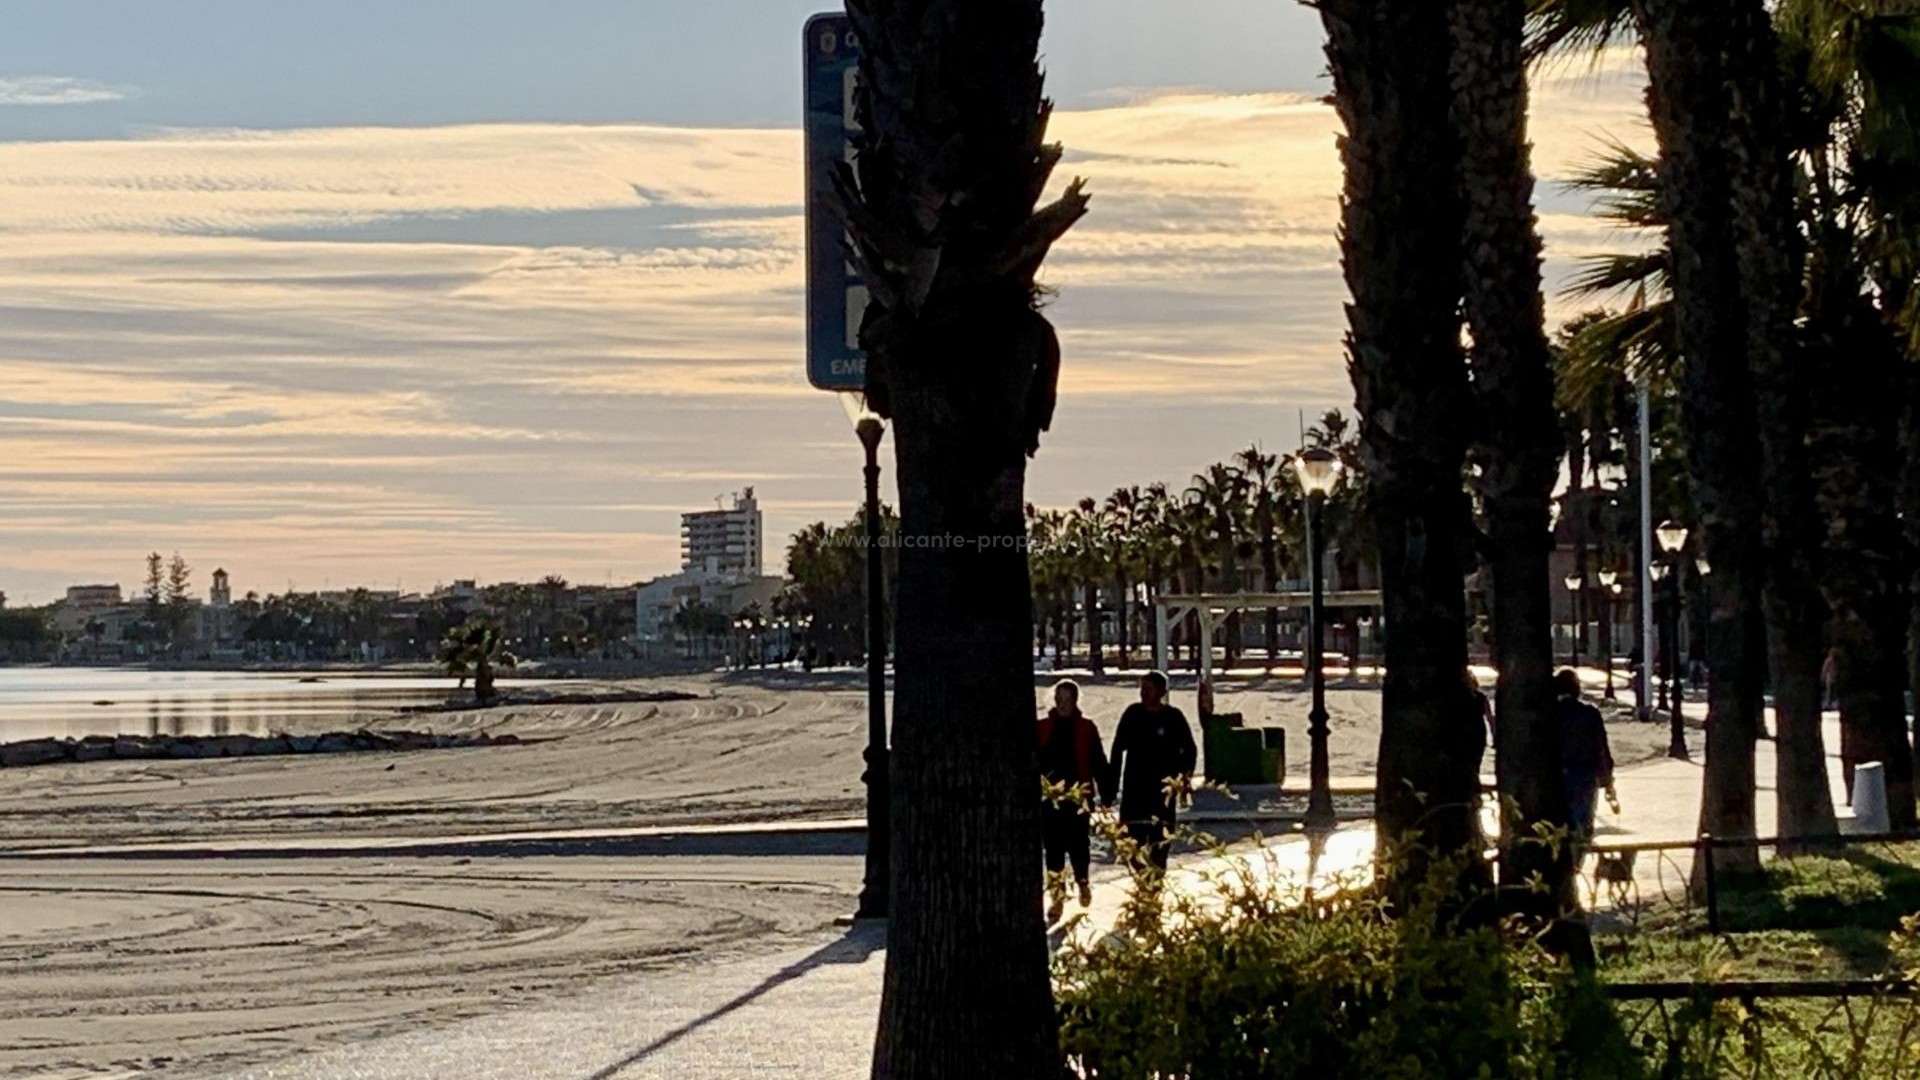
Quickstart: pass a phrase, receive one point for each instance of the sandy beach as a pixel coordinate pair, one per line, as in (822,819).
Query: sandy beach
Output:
(191,966)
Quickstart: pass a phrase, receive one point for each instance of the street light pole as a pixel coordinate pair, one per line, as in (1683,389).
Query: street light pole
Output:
(874,890)
(1673,537)
(1574,583)
(1319,471)
(1609,586)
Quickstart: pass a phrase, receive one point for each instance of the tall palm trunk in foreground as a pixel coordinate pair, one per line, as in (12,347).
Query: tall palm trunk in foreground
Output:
(1857,435)
(1766,242)
(1688,102)
(952,160)
(1910,514)
(1519,456)
(1400,249)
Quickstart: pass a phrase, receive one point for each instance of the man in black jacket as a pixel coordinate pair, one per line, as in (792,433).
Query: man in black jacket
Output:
(1154,745)
(1586,760)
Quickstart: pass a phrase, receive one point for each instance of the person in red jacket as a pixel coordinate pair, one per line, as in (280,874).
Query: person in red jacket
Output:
(1071,756)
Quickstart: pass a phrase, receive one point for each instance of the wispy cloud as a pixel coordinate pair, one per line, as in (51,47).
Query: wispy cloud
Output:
(56,90)
(513,349)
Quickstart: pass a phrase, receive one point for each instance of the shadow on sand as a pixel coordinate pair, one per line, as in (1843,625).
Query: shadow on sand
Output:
(859,943)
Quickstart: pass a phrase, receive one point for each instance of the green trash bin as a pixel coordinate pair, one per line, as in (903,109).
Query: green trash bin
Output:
(1242,755)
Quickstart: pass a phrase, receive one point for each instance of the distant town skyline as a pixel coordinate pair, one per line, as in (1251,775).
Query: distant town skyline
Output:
(495,290)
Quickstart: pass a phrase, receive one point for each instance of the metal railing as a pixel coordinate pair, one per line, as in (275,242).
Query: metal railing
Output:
(1622,883)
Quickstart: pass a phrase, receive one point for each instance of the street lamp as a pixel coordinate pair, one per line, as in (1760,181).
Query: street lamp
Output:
(1319,472)
(1673,538)
(868,426)
(1658,571)
(1609,588)
(1574,583)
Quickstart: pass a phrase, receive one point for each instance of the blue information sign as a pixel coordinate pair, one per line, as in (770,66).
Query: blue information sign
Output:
(836,299)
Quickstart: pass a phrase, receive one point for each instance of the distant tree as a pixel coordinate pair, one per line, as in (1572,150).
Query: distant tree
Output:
(178,601)
(474,648)
(155,591)
(26,634)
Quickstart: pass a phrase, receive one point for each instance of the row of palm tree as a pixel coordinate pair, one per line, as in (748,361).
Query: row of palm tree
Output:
(1776,306)
(1237,526)
(1786,188)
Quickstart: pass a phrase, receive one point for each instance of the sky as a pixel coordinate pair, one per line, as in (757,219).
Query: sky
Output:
(393,294)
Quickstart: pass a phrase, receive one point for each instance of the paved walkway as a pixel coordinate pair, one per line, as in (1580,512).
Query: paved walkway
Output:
(809,1011)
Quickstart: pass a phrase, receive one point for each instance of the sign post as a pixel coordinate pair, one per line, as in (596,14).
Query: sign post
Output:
(836,299)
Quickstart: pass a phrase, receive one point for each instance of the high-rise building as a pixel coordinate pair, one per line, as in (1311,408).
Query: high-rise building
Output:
(723,541)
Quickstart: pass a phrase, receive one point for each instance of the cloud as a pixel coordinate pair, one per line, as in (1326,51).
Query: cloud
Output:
(55,90)
(513,349)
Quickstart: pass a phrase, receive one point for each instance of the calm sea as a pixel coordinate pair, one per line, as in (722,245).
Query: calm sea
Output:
(72,702)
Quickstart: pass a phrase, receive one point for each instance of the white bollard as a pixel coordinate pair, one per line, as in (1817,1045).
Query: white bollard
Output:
(1870,799)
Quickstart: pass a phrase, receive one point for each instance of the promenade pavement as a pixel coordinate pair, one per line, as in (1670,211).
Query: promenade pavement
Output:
(808,1011)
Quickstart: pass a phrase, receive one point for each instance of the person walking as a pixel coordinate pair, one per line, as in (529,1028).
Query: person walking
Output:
(1586,760)
(1074,765)
(1153,746)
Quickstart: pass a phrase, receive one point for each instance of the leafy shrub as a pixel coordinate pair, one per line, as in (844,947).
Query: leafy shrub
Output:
(1263,981)
(1259,979)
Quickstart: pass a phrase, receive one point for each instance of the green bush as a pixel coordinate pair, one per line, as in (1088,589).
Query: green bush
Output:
(1263,982)
(1260,981)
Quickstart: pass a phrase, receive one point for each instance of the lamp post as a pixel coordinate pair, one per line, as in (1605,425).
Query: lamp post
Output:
(1319,472)
(1574,583)
(1673,537)
(1609,587)
(874,890)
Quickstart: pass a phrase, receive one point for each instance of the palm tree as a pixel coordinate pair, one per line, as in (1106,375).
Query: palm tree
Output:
(1217,496)
(1093,551)
(1690,107)
(1159,548)
(1261,482)
(1768,254)
(1859,163)
(940,204)
(1121,518)
(1052,577)
(1604,350)
(1518,457)
(474,648)
(1400,248)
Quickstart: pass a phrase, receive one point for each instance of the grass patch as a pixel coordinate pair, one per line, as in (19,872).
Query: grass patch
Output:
(1815,916)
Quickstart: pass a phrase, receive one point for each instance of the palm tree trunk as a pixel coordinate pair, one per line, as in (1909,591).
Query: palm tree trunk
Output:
(1858,498)
(1270,569)
(1122,612)
(1400,247)
(1229,582)
(1910,513)
(1768,257)
(1689,108)
(951,161)
(1513,379)
(1091,601)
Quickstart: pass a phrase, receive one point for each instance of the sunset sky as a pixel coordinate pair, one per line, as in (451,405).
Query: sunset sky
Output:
(377,293)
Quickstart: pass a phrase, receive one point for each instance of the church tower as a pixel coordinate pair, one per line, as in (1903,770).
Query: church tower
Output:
(221,594)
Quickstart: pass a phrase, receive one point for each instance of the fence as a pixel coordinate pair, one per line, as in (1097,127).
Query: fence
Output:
(1623,883)
(1775,1030)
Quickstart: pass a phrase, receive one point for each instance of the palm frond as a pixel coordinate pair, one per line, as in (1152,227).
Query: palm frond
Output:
(1624,183)
(1601,350)
(1572,28)
(1600,275)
